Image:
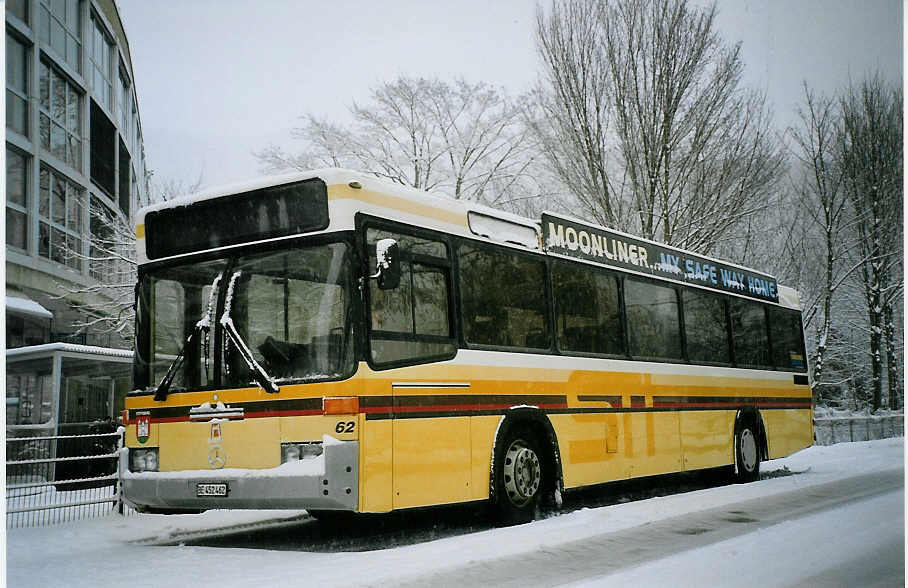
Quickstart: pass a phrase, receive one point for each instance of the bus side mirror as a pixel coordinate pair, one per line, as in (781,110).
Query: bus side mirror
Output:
(387,255)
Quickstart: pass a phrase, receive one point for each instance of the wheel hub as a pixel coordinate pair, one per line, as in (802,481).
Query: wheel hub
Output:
(522,473)
(748,450)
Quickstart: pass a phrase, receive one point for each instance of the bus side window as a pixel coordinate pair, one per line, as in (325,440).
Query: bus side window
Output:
(588,315)
(411,323)
(787,340)
(503,299)
(653,326)
(748,327)
(705,327)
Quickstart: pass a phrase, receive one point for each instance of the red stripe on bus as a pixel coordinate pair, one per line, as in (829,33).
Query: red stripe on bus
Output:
(282,413)
(465,407)
(729,405)
(793,404)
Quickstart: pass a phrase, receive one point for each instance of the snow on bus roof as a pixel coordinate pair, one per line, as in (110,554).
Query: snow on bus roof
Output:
(328,175)
(333,176)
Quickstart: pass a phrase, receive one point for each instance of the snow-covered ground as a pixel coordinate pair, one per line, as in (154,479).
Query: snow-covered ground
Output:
(814,519)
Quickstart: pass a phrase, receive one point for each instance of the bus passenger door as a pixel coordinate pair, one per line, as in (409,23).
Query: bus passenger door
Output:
(431,448)
(410,328)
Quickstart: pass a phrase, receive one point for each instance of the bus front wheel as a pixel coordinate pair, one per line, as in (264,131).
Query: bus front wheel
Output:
(518,477)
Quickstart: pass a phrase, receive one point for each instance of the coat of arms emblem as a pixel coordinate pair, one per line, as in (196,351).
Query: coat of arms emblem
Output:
(143,426)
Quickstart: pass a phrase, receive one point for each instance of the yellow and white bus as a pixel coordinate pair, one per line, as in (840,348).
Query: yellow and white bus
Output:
(336,342)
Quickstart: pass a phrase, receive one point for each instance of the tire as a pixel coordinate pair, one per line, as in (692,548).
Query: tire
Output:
(747,453)
(518,476)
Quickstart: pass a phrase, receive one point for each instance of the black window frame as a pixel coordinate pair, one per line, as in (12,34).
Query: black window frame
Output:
(680,289)
(737,362)
(142,371)
(158,245)
(678,304)
(622,317)
(364,223)
(770,310)
(548,315)
(729,342)
(20,212)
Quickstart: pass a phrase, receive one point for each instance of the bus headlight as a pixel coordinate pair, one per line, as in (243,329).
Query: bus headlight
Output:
(143,460)
(297,451)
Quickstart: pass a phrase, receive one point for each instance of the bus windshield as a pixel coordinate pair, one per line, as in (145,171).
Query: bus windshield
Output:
(289,310)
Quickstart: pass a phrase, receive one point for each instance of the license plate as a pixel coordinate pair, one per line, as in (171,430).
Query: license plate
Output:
(211,489)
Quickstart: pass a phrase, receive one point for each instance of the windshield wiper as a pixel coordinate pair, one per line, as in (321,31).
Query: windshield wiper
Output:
(204,325)
(261,376)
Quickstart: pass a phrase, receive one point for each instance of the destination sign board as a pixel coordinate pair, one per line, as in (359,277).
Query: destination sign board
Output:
(609,248)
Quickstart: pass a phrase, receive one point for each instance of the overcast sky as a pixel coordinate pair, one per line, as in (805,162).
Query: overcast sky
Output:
(217,79)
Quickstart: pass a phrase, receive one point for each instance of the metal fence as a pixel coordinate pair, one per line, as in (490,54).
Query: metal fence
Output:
(844,429)
(61,478)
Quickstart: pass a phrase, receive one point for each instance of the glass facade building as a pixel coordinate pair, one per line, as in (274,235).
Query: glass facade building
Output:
(73,148)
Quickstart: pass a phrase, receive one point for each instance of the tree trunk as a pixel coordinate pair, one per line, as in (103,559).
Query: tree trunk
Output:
(892,370)
(823,331)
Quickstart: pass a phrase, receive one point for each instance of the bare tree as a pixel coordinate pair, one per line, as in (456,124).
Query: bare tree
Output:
(695,154)
(573,118)
(822,202)
(165,189)
(106,301)
(466,139)
(871,154)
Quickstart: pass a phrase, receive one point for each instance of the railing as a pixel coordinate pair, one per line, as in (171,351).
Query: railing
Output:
(62,478)
(843,429)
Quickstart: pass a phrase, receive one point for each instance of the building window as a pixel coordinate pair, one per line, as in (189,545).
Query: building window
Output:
(24,330)
(103,241)
(134,191)
(61,116)
(29,397)
(59,29)
(134,130)
(100,65)
(103,151)
(18,8)
(16,86)
(16,211)
(125,166)
(60,207)
(124,106)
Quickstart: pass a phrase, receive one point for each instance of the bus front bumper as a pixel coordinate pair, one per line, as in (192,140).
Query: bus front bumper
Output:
(329,482)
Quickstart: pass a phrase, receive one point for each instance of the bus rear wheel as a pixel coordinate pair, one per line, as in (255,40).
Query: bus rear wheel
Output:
(518,478)
(747,453)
